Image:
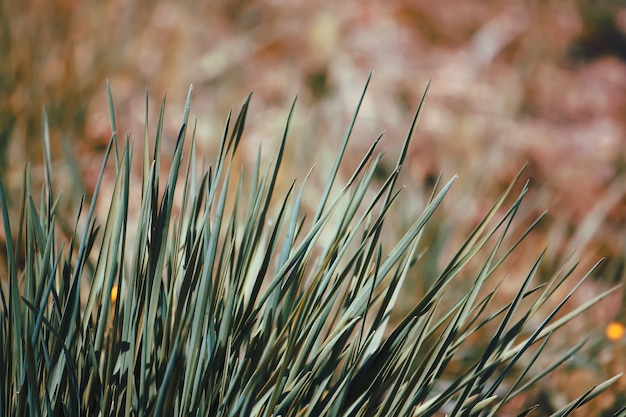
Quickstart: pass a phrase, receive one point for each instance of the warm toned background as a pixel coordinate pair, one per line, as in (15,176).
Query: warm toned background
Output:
(537,82)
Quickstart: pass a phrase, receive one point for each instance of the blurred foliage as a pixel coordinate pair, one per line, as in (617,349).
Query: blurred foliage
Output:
(57,55)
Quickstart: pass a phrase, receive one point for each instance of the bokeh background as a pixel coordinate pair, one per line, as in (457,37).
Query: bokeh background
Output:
(541,83)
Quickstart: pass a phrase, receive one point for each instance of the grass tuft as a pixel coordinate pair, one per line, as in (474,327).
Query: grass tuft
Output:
(233,301)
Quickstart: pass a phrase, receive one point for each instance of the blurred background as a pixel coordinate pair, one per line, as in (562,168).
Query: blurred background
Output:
(541,83)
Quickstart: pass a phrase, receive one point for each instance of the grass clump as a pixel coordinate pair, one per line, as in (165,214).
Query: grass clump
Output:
(213,309)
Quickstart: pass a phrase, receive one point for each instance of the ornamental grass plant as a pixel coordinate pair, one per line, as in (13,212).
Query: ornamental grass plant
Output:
(227,297)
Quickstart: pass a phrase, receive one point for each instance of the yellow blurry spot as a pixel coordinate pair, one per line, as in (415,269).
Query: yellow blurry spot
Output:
(615,331)
(114,293)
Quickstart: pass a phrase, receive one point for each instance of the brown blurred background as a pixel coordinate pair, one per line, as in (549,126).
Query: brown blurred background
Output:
(537,82)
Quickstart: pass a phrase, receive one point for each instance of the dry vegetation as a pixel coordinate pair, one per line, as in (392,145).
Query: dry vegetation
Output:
(542,83)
